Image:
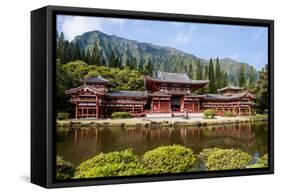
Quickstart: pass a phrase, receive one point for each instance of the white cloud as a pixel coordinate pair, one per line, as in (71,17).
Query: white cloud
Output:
(186,36)
(119,22)
(235,56)
(177,24)
(258,34)
(139,25)
(73,26)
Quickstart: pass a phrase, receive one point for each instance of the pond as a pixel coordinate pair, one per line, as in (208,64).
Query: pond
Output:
(79,145)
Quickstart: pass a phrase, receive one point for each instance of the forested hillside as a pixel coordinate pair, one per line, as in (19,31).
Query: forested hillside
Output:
(125,62)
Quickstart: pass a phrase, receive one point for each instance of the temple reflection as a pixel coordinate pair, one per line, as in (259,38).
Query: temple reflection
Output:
(83,143)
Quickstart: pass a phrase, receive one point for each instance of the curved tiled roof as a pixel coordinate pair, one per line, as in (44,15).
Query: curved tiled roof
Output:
(90,88)
(226,98)
(175,78)
(230,88)
(118,93)
(96,79)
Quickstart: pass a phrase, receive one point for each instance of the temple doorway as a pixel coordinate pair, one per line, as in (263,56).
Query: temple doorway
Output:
(176,103)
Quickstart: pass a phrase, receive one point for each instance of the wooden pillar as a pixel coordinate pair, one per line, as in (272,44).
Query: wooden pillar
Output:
(170,104)
(76,111)
(239,110)
(142,106)
(82,111)
(198,105)
(97,107)
(152,107)
(87,112)
(159,108)
(192,105)
(133,108)
(250,112)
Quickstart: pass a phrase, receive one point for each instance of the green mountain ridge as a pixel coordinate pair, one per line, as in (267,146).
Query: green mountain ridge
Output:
(162,57)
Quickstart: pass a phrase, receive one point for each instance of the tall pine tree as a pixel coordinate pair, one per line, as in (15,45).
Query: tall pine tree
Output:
(218,74)
(112,60)
(225,79)
(148,68)
(212,84)
(252,76)
(206,73)
(190,71)
(198,70)
(242,76)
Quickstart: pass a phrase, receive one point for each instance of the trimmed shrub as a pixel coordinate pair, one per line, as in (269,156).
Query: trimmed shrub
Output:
(123,163)
(205,153)
(225,159)
(264,160)
(64,170)
(229,114)
(121,115)
(261,162)
(169,159)
(209,113)
(63,115)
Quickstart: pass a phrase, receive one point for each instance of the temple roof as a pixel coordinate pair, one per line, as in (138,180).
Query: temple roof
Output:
(227,88)
(101,91)
(95,80)
(175,78)
(237,96)
(159,93)
(172,76)
(118,93)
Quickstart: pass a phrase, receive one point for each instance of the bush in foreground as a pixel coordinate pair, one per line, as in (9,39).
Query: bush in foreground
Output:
(261,162)
(205,153)
(169,159)
(63,115)
(64,170)
(229,114)
(264,160)
(209,113)
(123,163)
(225,159)
(121,115)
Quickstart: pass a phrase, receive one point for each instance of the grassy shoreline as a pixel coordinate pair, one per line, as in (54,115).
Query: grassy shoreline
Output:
(72,124)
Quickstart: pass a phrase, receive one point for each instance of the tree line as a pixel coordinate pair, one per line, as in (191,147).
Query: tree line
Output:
(217,77)
(69,51)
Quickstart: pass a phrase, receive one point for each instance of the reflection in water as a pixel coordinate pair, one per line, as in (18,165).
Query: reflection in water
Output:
(79,145)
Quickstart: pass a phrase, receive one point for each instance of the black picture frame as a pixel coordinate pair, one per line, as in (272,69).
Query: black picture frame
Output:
(43,121)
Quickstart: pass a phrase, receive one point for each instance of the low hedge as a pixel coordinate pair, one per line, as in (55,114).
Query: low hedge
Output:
(264,160)
(121,115)
(63,115)
(209,113)
(164,159)
(169,159)
(225,159)
(64,169)
(123,163)
(229,114)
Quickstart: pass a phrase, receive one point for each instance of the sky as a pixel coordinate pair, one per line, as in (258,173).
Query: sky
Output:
(247,44)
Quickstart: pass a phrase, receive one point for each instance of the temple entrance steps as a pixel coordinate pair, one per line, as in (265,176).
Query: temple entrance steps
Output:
(179,114)
(158,115)
(196,115)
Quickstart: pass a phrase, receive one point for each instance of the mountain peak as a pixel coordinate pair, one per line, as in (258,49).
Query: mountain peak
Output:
(162,57)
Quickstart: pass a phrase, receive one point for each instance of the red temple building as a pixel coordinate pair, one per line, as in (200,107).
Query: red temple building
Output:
(166,94)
